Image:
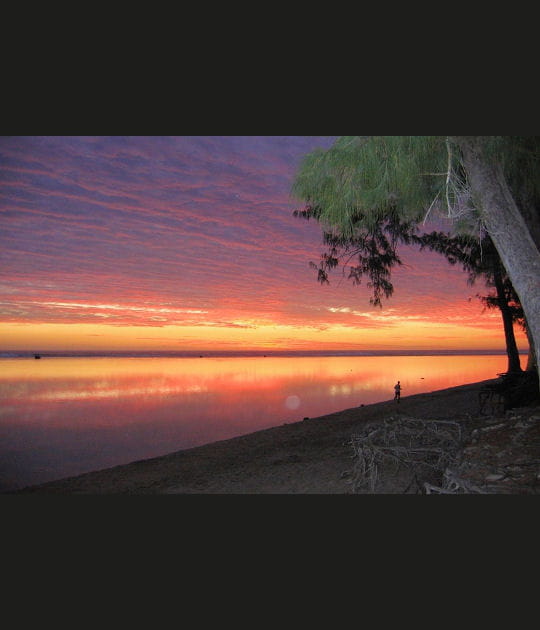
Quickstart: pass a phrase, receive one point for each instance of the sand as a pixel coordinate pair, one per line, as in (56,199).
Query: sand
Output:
(315,456)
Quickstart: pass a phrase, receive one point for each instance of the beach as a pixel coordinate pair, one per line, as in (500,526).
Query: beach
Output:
(500,454)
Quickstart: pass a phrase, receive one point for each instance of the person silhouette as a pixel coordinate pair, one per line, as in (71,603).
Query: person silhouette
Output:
(397,391)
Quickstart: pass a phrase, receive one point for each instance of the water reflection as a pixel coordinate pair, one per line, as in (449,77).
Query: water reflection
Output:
(64,416)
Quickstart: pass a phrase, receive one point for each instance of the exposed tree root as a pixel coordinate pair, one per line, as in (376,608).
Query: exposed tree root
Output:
(422,451)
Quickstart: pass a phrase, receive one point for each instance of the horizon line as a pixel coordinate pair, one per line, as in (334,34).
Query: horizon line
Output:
(254,352)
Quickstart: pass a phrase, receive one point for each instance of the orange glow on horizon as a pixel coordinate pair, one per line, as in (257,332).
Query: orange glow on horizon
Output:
(396,334)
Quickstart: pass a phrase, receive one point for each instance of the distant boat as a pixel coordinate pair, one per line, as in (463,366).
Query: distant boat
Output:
(37,356)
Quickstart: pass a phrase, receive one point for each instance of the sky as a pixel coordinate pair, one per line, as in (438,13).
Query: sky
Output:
(181,243)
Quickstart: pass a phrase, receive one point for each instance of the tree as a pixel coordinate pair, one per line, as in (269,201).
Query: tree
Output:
(375,250)
(491,181)
(504,177)
(479,258)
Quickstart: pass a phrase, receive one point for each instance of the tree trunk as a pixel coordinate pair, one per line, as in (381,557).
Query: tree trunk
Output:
(507,229)
(531,359)
(511,345)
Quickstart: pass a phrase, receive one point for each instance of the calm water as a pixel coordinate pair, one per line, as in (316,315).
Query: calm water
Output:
(65,416)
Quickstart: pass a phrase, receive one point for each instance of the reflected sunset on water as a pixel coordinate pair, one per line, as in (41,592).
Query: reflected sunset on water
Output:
(62,416)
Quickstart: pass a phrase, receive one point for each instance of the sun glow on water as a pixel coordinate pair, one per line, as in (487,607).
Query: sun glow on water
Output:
(64,416)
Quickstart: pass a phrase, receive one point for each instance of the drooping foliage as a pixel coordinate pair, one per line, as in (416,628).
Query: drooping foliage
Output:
(371,192)
(373,249)
(373,253)
(480,259)
(372,176)
(519,157)
(368,178)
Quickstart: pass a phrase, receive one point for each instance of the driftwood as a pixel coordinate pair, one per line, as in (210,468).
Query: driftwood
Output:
(422,450)
(452,484)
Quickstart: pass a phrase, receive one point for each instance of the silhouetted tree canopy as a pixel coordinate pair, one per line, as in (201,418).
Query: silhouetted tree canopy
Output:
(365,189)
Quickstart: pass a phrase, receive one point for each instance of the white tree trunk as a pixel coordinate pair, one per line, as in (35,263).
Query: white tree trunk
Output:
(507,229)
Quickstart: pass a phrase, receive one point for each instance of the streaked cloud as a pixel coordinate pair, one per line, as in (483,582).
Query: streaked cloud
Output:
(190,232)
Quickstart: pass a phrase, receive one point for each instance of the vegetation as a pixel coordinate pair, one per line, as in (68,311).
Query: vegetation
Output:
(371,192)
(375,250)
(480,259)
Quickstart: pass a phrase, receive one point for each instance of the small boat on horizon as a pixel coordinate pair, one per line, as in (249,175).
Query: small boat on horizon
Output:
(37,356)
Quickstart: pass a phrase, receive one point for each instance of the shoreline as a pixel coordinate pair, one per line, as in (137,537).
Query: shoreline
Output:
(312,456)
(211,353)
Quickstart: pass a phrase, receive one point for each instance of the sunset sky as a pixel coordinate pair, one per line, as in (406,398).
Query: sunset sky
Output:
(189,243)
